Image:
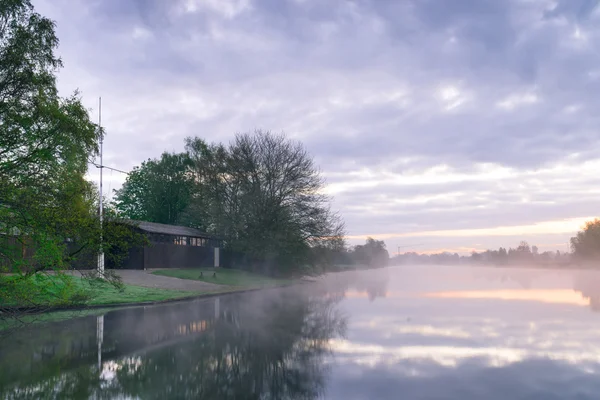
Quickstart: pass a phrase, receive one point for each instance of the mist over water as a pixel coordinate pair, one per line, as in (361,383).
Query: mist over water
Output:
(426,332)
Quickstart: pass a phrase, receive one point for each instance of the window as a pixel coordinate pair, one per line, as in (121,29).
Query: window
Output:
(180,240)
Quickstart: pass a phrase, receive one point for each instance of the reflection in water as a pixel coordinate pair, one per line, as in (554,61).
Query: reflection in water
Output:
(370,284)
(256,346)
(415,333)
(470,338)
(564,296)
(588,284)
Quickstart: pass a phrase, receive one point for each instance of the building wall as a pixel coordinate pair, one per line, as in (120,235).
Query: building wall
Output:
(161,255)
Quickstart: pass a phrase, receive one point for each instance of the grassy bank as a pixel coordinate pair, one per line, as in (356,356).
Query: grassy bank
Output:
(43,294)
(227,277)
(60,290)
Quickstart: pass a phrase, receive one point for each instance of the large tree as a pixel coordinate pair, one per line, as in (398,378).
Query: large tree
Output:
(45,144)
(586,245)
(264,195)
(157,191)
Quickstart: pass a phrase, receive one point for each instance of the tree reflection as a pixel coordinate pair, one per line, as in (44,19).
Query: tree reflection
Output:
(588,284)
(373,283)
(271,347)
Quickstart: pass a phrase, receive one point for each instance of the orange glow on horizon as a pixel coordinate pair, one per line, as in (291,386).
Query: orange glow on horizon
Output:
(569,226)
(560,296)
(554,296)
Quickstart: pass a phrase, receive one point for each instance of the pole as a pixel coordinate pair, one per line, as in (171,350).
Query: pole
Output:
(101,254)
(99,340)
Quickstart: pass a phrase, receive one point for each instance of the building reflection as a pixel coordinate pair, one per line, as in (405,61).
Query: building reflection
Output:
(257,345)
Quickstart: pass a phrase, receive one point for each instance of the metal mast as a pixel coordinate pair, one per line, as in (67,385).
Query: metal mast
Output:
(101,254)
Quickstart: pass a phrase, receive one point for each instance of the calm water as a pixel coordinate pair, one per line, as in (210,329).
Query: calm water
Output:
(404,332)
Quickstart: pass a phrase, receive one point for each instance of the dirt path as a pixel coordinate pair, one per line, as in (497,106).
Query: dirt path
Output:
(146,279)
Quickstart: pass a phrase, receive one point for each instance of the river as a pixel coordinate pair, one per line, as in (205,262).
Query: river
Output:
(425,332)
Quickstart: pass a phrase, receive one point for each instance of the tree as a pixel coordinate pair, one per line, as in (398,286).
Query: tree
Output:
(158,190)
(214,202)
(48,215)
(523,253)
(45,144)
(263,194)
(373,253)
(586,244)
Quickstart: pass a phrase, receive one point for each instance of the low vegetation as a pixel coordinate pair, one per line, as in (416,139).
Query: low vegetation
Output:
(228,277)
(47,291)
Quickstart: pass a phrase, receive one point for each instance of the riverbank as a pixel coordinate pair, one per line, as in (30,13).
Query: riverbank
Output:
(49,292)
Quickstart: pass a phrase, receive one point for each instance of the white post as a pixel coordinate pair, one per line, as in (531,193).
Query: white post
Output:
(217,311)
(217,257)
(101,254)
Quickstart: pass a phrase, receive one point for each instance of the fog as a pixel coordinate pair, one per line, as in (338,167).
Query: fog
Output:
(427,332)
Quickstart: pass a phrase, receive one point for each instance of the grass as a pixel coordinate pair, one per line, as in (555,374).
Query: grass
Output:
(227,277)
(42,291)
(47,291)
(102,293)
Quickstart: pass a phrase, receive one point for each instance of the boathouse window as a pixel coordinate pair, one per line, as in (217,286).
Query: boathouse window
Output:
(180,240)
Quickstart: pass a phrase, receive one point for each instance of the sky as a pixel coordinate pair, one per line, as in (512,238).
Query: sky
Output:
(439,125)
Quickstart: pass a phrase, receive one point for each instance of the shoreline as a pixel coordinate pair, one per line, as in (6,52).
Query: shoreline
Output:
(39,310)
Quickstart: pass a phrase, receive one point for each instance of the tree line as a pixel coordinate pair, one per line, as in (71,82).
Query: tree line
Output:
(262,194)
(584,251)
(523,254)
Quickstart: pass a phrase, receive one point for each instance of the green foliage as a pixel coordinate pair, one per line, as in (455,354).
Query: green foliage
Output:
(586,245)
(40,291)
(45,144)
(47,291)
(157,191)
(104,293)
(229,277)
(264,195)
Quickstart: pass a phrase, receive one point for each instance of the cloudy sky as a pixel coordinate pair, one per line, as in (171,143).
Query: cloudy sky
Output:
(454,125)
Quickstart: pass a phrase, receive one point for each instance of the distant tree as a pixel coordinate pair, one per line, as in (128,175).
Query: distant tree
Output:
(586,244)
(524,248)
(534,250)
(373,253)
(546,257)
(159,190)
(476,257)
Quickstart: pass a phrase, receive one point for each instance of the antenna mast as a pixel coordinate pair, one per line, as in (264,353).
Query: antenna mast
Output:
(101,254)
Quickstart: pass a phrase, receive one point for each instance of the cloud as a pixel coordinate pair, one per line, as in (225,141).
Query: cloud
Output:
(422,115)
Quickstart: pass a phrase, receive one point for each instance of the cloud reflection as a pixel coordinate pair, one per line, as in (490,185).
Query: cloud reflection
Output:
(472,333)
(563,296)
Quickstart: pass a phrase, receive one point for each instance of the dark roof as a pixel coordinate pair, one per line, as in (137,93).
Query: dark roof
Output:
(153,227)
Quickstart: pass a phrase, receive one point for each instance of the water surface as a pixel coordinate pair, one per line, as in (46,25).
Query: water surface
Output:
(400,332)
